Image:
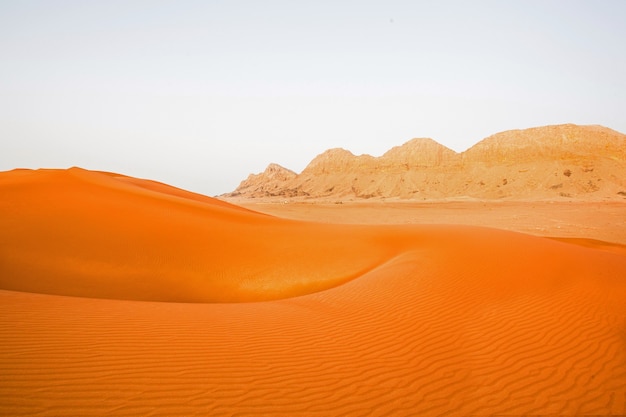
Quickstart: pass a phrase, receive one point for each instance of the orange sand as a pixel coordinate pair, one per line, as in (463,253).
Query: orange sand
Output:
(127,297)
(599,220)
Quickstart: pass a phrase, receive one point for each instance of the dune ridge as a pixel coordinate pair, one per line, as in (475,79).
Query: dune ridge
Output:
(121,296)
(109,236)
(550,162)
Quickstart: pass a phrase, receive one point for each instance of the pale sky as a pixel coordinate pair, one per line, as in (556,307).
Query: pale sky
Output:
(199,94)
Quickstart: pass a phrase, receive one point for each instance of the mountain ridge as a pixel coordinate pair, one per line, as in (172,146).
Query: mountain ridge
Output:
(555,161)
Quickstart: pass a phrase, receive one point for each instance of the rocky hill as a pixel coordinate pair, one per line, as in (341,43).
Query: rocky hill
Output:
(562,161)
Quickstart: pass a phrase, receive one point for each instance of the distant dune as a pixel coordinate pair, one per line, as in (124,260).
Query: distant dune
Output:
(121,296)
(551,162)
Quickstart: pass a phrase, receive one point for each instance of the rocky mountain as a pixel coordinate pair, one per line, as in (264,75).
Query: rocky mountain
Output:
(269,182)
(562,161)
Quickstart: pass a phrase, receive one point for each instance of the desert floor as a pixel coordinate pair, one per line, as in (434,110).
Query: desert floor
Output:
(127,297)
(568,219)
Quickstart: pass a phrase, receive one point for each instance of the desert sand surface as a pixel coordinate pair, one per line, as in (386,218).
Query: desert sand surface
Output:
(121,296)
(598,220)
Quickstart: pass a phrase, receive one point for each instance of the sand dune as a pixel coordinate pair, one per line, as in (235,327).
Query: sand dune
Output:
(121,296)
(104,236)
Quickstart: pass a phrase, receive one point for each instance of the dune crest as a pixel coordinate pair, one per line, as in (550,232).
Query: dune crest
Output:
(550,162)
(109,236)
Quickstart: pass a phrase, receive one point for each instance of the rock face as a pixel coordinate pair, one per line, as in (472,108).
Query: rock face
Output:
(419,153)
(562,161)
(549,143)
(268,183)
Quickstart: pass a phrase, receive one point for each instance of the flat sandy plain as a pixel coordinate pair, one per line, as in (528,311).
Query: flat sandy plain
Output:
(557,218)
(127,297)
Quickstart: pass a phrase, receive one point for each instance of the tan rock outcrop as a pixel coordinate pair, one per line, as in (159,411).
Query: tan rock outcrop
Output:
(561,161)
(266,184)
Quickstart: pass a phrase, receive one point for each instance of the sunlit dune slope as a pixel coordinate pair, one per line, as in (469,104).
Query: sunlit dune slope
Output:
(108,236)
(360,320)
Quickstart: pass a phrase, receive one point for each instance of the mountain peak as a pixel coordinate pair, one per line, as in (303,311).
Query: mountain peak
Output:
(336,160)
(559,161)
(275,171)
(424,152)
(554,142)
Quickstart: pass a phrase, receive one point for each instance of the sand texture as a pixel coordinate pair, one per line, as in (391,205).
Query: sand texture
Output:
(121,296)
(595,220)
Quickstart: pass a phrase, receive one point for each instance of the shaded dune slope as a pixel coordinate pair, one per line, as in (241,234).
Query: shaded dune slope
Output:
(420,320)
